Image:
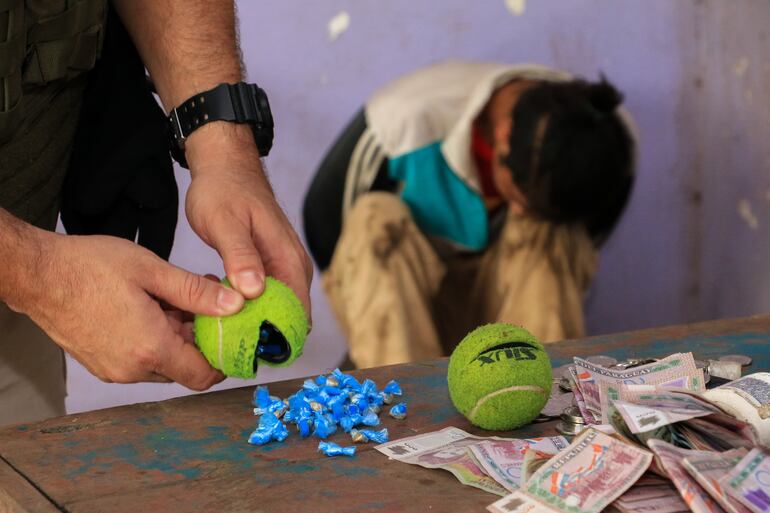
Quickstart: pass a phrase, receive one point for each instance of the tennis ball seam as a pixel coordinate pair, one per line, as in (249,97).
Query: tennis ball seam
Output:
(515,388)
(221,336)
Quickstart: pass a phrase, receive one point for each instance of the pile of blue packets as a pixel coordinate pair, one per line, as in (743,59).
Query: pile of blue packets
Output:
(324,405)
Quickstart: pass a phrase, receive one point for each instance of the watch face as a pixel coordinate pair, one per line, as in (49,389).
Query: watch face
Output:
(264,108)
(263,131)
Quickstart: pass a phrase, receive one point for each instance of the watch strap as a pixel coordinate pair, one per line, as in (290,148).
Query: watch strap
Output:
(238,103)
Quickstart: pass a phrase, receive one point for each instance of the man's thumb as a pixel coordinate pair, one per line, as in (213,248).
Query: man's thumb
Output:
(193,293)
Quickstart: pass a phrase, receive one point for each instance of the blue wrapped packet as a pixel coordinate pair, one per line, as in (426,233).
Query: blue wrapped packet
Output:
(370,435)
(270,428)
(310,386)
(337,407)
(324,426)
(305,425)
(332,391)
(261,397)
(359,401)
(376,400)
(393,388)
(398,411)
(368,388)
(332,449)
(370,419)
(346,381)
(264,402)
(348,422)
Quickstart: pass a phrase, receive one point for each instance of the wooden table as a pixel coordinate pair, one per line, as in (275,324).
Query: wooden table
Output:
(190,454)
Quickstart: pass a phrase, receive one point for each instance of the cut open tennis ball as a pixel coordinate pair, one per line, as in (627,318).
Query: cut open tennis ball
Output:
(270,329)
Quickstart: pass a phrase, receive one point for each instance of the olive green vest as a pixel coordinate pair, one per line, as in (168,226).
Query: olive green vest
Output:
(45,48)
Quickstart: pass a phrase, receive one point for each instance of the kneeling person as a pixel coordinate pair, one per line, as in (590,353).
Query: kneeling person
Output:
(468,193)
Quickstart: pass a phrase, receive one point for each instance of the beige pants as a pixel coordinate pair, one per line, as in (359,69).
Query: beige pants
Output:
(32,375)
(398,301)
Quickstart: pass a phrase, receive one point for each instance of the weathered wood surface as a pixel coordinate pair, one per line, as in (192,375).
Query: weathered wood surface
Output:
(15,490)
(190,454)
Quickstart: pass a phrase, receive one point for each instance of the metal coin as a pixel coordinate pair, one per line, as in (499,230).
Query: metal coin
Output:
(568,429)
(737,358)
(633,362)
(543,418)
(603,360)
(572,415)
(704,365)
(565,384)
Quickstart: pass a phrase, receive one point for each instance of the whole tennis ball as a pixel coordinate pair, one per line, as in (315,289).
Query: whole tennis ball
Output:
(499,376)
(230,343)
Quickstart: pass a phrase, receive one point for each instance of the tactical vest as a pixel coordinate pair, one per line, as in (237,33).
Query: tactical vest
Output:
(45,48)
(42,41)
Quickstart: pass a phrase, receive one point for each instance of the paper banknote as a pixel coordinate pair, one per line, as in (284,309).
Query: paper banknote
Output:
(661,498)
(708,468)
(589,375)
(670,461)
(649,411)
(583,478)
(580,401)
(749,481)
(502,459)
(447,449)
(681,418)
(533,460)
(612,391)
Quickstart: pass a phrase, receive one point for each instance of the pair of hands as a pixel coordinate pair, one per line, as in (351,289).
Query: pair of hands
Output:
(122,312)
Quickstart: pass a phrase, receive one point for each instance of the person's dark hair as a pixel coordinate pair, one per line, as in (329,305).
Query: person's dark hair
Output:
(572,155)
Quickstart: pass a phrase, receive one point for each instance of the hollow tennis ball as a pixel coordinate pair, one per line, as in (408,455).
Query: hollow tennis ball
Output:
(270,329)
(499,376)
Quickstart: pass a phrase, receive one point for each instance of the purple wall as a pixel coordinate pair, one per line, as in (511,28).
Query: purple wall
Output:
(696,74)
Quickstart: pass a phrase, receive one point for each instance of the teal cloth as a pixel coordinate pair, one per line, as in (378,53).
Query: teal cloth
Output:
(440,202)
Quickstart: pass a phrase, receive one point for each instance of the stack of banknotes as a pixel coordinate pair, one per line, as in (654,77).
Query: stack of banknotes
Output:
(595,386)
(654,441)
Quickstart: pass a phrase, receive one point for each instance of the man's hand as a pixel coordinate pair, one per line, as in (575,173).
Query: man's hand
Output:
(231,207)
(98,298)
(190,46)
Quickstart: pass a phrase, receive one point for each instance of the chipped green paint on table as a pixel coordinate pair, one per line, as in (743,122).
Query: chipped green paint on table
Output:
(190,454)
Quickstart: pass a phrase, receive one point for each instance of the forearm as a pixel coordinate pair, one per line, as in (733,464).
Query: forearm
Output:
(190,46)
(21,252)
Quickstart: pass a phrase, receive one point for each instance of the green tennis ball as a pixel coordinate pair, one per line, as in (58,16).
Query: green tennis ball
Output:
(230,343)
(499,377)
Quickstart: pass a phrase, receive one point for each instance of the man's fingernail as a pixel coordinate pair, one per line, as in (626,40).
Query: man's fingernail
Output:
(227,299)
(249,283)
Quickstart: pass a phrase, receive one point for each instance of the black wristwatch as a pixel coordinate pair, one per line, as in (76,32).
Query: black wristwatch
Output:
(238,103)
